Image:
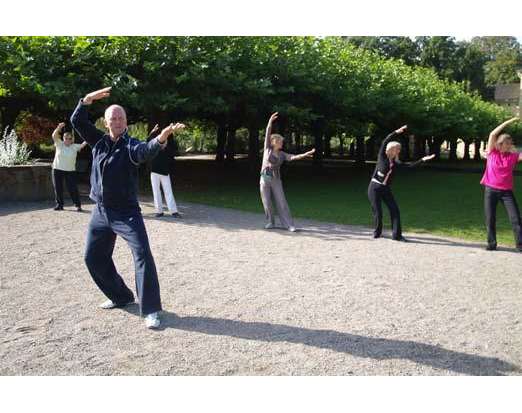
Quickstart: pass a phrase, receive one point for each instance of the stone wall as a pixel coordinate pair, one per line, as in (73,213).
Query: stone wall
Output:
(26,182)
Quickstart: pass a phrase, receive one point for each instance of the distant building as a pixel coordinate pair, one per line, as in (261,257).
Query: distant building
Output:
(508,96)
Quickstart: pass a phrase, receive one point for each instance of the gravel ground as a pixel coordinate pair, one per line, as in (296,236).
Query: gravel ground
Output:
(241,300)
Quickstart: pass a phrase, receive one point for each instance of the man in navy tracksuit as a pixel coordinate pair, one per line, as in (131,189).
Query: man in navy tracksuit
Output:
(114,187)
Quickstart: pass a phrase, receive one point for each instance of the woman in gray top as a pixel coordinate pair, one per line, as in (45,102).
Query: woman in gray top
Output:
(270,181)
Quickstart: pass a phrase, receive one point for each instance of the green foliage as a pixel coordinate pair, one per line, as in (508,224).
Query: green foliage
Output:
(320,85)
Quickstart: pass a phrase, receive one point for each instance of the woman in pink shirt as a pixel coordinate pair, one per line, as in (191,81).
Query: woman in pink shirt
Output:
(498,183)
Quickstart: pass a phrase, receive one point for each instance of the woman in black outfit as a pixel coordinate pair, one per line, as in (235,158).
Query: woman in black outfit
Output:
(380,184)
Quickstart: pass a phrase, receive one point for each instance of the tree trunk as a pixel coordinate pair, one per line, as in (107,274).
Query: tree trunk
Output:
(466,150)
(434,144)
(253,147)
(352,149)
(288,144)
(327,148)
(298,142)
(476,143)
(370,148)
(317,133)
(418,149)
(405,142)
(318,155)
(453,150)
(221,139)
(359,150)
(156,118)
(230,147)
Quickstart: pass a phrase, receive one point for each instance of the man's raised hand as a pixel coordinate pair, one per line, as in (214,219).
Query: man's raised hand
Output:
(168,130)
(98,94)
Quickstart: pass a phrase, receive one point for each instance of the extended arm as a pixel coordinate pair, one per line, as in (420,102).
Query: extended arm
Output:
(56,134)
(301,156)
(268,132)
(80,118)
(494,133)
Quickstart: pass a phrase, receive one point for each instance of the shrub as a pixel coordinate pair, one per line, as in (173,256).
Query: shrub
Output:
(12,151)
(35,130)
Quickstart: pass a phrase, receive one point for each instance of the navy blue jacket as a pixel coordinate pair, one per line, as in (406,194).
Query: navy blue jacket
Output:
(383,166)
(114,174)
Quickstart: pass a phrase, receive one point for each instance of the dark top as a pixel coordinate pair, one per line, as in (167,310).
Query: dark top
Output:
(162,162)
(384,170)
(114,174)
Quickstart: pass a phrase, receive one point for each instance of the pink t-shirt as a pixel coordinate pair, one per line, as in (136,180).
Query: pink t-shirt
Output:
(499,170)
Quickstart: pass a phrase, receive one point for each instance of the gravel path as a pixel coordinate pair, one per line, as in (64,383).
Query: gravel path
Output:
(241,300)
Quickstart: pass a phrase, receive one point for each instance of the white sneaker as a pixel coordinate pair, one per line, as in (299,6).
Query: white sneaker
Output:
(269,226)
(152,320)
(292,229)
(109,304)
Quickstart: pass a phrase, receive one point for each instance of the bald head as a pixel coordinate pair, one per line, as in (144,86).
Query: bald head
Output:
(112,108)
(115,120)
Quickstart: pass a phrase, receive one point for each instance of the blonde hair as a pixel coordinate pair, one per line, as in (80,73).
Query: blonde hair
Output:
(391,145)
(501,139)
(275,137)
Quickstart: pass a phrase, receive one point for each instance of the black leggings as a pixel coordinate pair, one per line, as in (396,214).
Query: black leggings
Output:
(376,194)
(70,181)
(491,198)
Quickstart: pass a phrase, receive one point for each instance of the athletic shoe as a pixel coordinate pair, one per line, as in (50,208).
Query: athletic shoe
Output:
(158,214)
(177,215)
(491,248)
(109,304)
(79,209)
(152,320)
(292,229)
(58,208)
(401,239)
(376,235)
(269,226)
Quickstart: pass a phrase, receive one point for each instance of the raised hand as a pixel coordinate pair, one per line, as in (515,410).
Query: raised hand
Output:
(154,129)
(56,132)
(428,158)
(168,130)
(98,94)
(310,153)
(401,129)
(273,117)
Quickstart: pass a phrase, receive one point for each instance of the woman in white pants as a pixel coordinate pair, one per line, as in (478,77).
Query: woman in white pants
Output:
(160,176)
(270,180)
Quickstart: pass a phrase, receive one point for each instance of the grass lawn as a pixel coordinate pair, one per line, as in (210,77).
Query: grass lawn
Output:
(431,201)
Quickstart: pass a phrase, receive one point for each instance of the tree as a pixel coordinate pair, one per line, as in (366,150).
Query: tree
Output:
(503,56)
(396,47)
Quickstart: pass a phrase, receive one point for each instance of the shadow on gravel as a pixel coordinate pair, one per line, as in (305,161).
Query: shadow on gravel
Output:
(353,344)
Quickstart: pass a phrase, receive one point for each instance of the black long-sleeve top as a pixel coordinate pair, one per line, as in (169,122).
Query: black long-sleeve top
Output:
(162,162)
(384,170)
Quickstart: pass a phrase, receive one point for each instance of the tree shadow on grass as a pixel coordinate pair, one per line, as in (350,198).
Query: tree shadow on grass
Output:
(234,220)
(440,241)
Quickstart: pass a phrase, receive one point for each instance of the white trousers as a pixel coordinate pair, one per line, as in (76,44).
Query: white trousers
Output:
(157,181)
